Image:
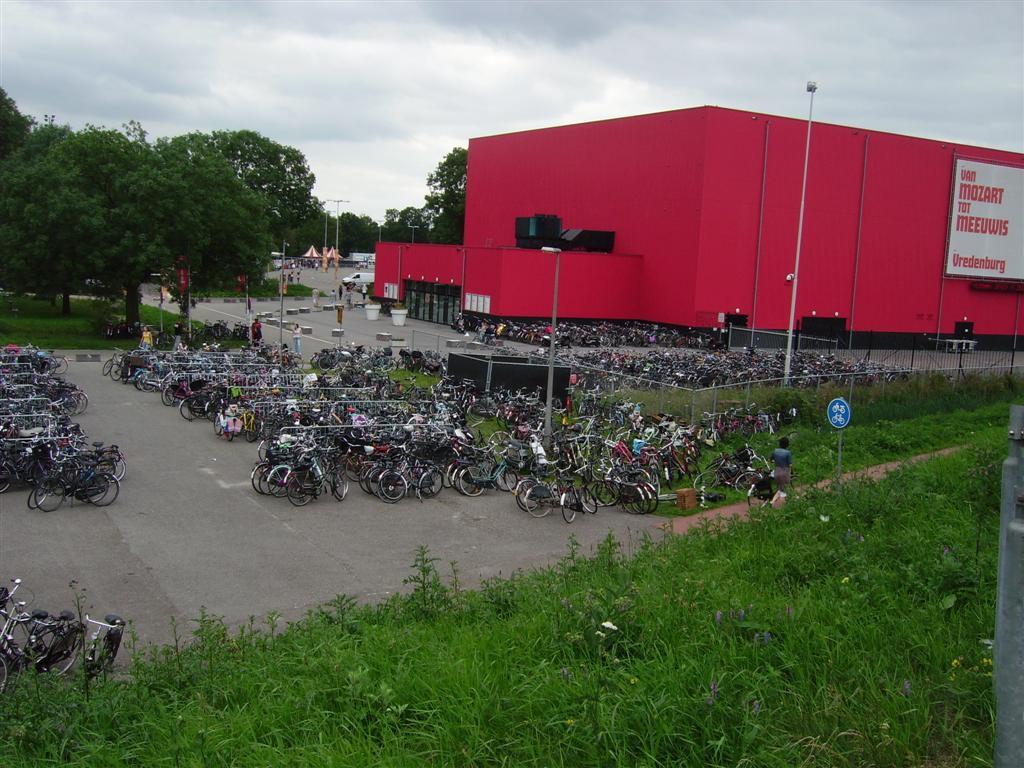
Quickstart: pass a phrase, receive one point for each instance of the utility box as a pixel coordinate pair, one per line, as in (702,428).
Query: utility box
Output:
(341,314)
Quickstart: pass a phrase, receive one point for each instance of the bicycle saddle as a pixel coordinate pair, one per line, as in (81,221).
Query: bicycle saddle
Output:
(97,445)
(113,618)
(40,614)
(67,615)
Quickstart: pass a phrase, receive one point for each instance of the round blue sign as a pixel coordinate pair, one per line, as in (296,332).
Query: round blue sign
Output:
(839,413)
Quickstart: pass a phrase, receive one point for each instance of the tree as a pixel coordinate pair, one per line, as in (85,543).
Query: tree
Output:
(406,225)
(446,202)
(14,126)
(277,172)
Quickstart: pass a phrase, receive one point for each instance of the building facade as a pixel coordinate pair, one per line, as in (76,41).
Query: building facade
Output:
(704,204)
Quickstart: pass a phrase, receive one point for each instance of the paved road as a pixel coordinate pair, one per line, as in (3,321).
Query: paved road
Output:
(188,530)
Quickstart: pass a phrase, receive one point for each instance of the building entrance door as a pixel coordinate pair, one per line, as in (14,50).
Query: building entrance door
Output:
(432,302)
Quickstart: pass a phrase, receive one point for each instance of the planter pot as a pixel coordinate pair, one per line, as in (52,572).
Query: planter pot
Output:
(373,311)
(398,316)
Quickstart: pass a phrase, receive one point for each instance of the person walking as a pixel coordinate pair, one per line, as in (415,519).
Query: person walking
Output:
(783,460)
(363,292)
(179,331)
(316,298)
(297,339)
(257,332)
(147,338)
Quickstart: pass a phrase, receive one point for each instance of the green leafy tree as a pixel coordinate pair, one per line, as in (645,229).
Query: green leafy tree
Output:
(446,201)
(14,126)
(277,172)
(406,225)
(209,218)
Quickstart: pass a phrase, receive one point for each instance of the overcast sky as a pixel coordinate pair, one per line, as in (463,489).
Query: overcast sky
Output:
(375,94)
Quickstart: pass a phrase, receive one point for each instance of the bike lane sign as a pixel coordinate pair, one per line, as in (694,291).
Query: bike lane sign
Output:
(839,413)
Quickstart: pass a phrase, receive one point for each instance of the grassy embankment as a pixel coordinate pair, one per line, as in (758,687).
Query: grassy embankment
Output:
(843,630)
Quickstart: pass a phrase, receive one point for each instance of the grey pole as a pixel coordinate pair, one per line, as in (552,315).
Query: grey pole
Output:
(280,290)
(812,87)
(551,351)
(1009,641)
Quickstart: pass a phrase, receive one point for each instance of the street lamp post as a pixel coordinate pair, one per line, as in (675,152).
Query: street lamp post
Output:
(380,231)
(812,87)
(414,227)
(551,351)
(160,287)
(280,290)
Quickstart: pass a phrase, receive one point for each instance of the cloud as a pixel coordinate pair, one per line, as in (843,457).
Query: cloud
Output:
(376,94)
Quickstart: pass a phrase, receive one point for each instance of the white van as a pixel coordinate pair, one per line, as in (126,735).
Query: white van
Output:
(359,278)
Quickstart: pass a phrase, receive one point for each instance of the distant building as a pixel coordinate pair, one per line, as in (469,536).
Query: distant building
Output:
(700,209)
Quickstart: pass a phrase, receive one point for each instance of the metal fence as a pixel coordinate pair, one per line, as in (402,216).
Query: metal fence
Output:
(693,404)
(742,338)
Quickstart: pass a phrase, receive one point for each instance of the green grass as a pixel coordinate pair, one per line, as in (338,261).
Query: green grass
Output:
(268,288)
(843,630)
(26,320)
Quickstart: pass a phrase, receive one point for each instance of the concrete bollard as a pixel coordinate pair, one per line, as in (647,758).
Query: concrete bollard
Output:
(307,330)
(337,332)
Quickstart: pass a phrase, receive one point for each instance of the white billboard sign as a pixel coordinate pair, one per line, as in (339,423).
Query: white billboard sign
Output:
(986,222)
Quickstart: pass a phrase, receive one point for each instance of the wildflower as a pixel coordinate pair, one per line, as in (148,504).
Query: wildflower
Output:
(755,707)
(741,615)
(956,663)
(599,633)
(570,722)
(566,674)
(767,637)
(713,688)
(609,625)
(906,687)
(718,618)
(789,611)
(987,662)
(823,518)
(632,681)
(846,579)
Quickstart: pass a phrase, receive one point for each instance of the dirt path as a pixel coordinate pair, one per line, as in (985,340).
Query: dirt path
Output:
(739,511)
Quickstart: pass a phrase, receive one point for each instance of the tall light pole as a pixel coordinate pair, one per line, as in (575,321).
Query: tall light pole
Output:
(551,352)
(337,217)
(280,290)
(414,227)
(380,230)
(812,87)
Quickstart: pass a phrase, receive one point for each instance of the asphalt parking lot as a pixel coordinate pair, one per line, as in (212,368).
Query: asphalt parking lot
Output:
(188,531)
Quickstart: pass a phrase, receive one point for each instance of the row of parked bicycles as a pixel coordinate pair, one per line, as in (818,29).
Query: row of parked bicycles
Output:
(42,449)
(587,333)
(695,369)
(52,643)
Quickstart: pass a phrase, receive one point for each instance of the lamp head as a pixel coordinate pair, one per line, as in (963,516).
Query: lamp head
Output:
(811,86)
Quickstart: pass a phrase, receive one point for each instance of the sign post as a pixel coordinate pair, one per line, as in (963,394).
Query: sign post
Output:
(839,414)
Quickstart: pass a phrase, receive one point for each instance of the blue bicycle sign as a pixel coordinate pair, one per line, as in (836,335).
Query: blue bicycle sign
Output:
(839,413)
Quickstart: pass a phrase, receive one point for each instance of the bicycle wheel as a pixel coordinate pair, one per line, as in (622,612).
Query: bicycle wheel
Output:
(101,655)
(430,484)
(5,476)
(103,490)
(62,653)
(391,486)
(537,500)
(258,478)
(587,500)
(569,503)
(49,495)
(107,367)
(277,480)
(605,493)
(185,409)
(339,485)
(3,673)
(297,491)
(465,483)
(649,493)
(508,479)
(520,490)
(744,480)
(252,430)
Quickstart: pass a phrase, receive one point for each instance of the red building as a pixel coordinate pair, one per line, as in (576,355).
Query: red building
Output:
(704,204)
